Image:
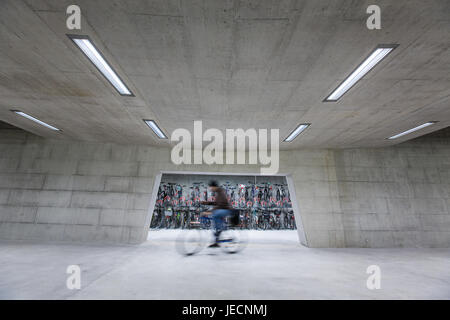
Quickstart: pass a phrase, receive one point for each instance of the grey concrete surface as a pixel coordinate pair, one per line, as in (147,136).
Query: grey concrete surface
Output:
(273,266)
(230,63)
(85,191)
(264,64)
(396,196)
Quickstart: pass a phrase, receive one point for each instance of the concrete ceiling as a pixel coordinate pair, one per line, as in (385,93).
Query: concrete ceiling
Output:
(232,64)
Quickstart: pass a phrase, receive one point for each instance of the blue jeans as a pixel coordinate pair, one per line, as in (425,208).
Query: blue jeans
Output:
(218,216)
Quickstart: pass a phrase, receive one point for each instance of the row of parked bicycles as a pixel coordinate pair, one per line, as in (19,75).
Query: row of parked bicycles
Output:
(263,206)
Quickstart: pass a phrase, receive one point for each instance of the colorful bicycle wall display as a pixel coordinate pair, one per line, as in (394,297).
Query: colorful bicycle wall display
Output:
(264,202)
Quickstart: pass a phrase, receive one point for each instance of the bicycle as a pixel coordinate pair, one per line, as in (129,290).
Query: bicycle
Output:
(192,241)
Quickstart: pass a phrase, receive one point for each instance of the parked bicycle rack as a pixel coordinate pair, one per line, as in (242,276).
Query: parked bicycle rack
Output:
(262,206)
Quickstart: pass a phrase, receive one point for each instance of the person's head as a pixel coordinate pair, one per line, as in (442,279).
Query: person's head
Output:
(213,185)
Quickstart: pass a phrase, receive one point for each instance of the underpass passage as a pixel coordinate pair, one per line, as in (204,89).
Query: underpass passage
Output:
(264,202)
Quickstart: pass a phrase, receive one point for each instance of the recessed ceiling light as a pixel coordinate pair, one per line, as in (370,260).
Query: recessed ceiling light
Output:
(152,124)
(412,130)
(368,64)
(91,52)
(301,127)
(42,123)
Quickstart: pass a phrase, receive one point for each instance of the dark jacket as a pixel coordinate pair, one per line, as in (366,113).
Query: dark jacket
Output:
(221,201)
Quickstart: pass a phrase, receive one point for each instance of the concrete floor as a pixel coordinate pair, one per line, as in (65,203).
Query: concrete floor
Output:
(273,266)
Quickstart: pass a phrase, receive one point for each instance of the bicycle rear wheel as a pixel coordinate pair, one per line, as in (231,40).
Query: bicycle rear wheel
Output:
(190,242)
(232,240)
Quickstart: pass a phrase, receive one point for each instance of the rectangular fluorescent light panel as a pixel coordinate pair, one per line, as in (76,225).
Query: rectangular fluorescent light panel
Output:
(296,132)
(152,124)
(412,130)
(88,48)
(23,114)
(374,58)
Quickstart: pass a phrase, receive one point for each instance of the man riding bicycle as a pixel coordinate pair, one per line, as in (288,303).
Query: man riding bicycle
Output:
(221,210)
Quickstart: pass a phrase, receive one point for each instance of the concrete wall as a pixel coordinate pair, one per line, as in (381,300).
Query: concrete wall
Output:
(81,191)
(62,190)
(398,196)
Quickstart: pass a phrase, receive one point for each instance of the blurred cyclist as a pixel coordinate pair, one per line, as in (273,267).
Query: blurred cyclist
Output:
(221,210)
